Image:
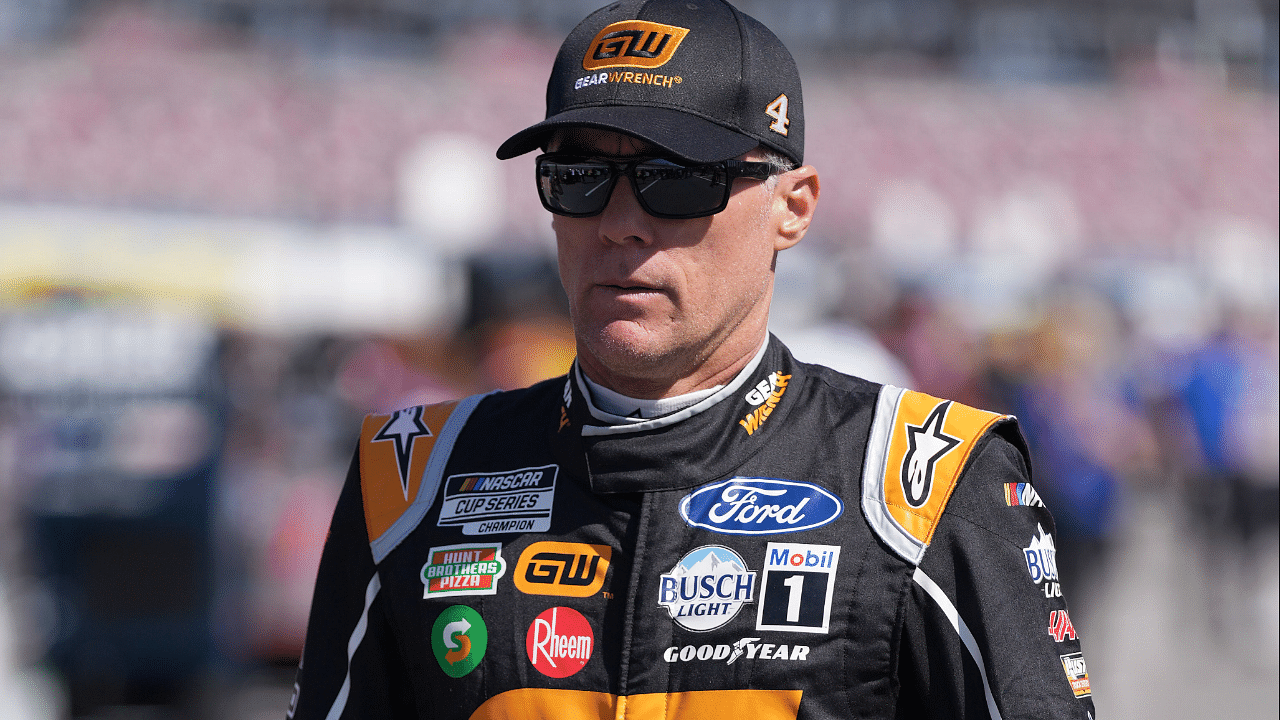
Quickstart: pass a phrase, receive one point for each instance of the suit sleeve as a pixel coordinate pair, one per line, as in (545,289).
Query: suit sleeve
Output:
(350,662)
(986,632)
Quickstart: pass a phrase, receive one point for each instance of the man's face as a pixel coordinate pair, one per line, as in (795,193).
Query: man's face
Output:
(655,301)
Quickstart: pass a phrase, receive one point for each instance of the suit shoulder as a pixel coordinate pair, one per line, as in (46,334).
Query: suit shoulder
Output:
(523,400)
(917,450)
(838,380)
(402,454)
(843,395)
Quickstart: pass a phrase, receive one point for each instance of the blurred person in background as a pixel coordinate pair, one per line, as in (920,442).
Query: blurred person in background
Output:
(690,523)
(1228,394)
(1066,380)
(1220,408)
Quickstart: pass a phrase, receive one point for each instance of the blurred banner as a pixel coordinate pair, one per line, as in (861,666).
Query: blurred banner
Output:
(266,276)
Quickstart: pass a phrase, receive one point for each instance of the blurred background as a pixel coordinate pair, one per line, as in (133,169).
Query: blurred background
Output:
(229,228)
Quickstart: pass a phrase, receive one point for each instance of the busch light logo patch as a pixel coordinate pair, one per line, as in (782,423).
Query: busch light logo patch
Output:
(505,502)
(707,588)
(1042,558)
(759,506)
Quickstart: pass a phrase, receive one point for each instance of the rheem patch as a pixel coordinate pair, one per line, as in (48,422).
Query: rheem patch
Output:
(559,642)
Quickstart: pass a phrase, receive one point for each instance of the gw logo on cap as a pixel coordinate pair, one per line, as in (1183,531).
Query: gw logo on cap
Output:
(633,43)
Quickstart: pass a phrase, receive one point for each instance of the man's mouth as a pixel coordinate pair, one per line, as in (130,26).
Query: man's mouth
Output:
(631,288)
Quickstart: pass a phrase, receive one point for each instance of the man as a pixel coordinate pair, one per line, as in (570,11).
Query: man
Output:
(690,524)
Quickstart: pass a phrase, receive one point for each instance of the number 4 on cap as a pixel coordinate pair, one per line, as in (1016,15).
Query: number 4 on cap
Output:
(778,111)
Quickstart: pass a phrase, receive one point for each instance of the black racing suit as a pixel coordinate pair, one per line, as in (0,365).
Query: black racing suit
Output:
(803,544)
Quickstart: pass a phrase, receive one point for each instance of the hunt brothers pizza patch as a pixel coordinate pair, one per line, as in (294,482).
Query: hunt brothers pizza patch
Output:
(465,569)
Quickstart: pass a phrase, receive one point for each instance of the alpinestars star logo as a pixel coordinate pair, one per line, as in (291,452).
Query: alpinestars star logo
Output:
(927,445)
(403,428)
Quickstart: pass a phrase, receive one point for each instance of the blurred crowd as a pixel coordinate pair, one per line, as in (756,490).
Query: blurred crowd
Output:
(1097,255)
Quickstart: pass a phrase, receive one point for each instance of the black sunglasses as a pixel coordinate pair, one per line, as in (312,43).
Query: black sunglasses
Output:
(580,186)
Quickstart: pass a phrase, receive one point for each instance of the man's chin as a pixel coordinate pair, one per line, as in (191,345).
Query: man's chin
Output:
(627,349)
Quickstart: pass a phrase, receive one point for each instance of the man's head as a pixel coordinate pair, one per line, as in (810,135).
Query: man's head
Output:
(673,134)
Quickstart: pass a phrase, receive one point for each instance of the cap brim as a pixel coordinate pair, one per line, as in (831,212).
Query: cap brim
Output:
(685,136)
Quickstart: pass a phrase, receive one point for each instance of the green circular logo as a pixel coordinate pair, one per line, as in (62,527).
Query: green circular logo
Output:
(459,639)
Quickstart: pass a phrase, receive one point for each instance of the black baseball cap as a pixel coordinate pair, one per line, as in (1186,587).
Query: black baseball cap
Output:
(698,78)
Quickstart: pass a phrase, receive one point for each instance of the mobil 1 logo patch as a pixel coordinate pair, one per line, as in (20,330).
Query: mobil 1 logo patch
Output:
(501,502)
(795,593)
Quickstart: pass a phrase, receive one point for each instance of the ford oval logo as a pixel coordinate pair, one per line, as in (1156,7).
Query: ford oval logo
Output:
(759,506)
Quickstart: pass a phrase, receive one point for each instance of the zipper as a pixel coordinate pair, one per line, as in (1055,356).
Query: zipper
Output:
(633,600)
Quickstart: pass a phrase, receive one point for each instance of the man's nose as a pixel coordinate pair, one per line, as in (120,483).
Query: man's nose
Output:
(623,220)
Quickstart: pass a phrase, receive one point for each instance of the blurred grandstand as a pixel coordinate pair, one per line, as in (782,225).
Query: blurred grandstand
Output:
(1067,210)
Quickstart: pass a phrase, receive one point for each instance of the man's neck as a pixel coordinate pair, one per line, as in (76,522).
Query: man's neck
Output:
(616,409)
(629,409)
(707,375)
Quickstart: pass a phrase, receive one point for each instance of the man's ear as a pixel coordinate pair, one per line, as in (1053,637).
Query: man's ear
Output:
(796,198)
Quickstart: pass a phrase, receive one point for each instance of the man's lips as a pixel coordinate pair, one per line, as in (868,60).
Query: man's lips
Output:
(630,287)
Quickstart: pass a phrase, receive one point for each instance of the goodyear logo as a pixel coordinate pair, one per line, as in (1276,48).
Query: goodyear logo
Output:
(633,43)
(751,646)
(562,568)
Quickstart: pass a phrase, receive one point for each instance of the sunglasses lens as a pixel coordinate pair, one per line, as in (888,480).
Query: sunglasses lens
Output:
(671,190)
(575,187)
(580,186)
